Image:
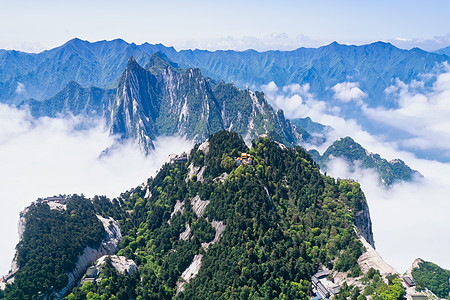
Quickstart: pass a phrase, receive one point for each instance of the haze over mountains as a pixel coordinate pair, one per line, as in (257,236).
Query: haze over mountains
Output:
(354,82)
(99,64)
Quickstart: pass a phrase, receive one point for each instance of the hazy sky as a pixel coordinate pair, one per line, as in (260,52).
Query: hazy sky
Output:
(38,25)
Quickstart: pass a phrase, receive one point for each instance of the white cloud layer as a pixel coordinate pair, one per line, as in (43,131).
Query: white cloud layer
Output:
(295,100)
(348,91)
(427,44)
(424,114)
(47,157)
(409,220)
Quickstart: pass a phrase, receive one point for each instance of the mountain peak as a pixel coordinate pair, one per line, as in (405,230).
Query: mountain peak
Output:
(382,44)
(75,41)
(159,62)
(132,63)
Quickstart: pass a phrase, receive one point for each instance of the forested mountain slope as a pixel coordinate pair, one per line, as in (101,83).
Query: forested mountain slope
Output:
(207,228)
(346,148)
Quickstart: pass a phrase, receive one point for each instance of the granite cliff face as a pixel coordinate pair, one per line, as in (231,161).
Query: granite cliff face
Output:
(59,238)
(108,246)
(364,224)
(162,100)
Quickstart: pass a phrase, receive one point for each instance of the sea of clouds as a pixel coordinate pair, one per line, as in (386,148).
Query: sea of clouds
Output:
(410,219)
(47,157)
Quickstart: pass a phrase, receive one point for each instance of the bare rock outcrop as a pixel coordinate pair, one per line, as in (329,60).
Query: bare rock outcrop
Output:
(220,228)
(179,207)
(197,171)
(204,148)
(414,265)
(120,263)
(221,178)
(185,234)
(199,205)
(108,246)
(371,259)
(190,272)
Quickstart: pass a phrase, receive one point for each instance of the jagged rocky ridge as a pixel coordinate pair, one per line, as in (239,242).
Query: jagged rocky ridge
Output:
(374,66)
(163,99)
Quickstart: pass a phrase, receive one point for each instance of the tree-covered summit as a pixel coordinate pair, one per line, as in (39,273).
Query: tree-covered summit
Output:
(206,228)
(280,218)
(346,148)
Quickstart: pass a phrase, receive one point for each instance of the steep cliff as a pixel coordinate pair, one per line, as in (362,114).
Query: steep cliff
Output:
(364,224)
(162,100)
(108,246)
(61,237)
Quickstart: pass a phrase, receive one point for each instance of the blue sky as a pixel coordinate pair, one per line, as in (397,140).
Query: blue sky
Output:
(262,25)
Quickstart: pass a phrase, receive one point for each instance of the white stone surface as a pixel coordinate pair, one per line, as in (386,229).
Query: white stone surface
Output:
(220,228)
(120,263)
(190,272)
(199,205)
(185,234)
(179,207)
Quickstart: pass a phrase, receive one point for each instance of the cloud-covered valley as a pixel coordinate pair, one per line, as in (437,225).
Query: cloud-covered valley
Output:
(410,219)
(46,157)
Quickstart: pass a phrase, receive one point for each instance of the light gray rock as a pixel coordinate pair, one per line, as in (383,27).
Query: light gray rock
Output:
(199,205)
(120,263)
(108,246)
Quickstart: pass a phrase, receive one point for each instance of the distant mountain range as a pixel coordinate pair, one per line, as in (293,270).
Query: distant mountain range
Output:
(374,67)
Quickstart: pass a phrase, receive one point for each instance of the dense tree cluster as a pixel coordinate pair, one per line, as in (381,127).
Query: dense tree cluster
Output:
(431,276)
(110,285)
(50,246)
(375,288)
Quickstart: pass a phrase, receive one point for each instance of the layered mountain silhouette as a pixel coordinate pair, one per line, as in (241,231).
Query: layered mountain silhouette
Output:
(374,67)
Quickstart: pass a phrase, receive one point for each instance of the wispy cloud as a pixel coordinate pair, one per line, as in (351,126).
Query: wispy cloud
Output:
(20,88)
(47,157)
